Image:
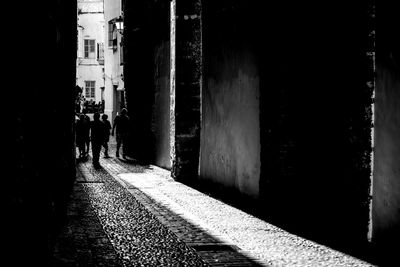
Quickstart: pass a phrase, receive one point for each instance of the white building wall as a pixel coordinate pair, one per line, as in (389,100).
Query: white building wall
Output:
(90,26)
(113,69)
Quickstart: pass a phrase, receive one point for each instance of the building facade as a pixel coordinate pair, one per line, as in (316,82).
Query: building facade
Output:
(113,54)
(90,59)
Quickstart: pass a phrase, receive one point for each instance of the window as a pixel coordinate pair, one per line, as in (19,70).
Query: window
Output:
(111,35)
(89,48)
(90,89)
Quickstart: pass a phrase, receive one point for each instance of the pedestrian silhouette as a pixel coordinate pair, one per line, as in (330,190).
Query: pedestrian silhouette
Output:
(107,130)
(86,132)
(97,134)
(121,127)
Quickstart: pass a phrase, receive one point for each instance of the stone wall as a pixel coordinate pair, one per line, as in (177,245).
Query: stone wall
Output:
(41,171)
(316,120)
(275,102)
(146,35)
(187,98)
(161,108)
(386,186)
(230,130)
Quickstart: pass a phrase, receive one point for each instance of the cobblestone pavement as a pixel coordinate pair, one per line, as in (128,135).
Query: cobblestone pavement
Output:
(138,204)
(138,237)
(82,241)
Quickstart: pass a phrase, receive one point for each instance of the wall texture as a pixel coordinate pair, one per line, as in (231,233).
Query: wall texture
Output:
(112,67)
(146,34)
(41,167)
(186,113)
(285,106)
(93,28)
(230,131)
(161,107)
(298,88)
(316,121)
(386,187)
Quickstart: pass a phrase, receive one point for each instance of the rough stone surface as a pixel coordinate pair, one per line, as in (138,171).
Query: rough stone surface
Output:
(140,240)
(82,241)
(386,204)
(269,244)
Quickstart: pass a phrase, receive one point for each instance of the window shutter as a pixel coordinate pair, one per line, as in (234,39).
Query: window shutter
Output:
(110,34)
(92,44)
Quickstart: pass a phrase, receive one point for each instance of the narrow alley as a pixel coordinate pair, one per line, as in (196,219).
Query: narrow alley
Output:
(252,133)
(130,214)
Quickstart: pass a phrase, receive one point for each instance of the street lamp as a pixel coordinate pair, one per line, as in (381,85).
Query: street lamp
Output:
(119,24)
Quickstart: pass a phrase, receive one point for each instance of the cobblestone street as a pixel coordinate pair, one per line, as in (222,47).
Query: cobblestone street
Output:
(127,214)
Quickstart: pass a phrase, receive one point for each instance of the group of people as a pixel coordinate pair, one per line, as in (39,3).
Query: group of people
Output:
(97,132)
(92,107)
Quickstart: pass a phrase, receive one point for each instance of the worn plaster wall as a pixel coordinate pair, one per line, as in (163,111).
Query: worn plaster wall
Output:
(230,126)
(386,187)
(161,108)
(230,132)
(386,180)
(112,65)
(308,99)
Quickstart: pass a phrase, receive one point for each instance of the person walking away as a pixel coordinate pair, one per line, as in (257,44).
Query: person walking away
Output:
(121,127)
(107,126)
(86,133)
(97,131)
(80,135)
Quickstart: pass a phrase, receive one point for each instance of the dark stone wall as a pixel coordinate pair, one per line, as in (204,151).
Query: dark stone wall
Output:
(188,68)
(386,186)
(40,102)
(316,120)
(315,109)
(146,31)
(138,77)
(147,76)
(315,94)
(161,107)
(230,128)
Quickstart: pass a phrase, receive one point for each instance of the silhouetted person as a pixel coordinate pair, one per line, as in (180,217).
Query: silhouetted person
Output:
(80,135)
(103,105)
(85,105)
(121,126)
(97,133)
(78,97)
(107,130)
(86,132)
